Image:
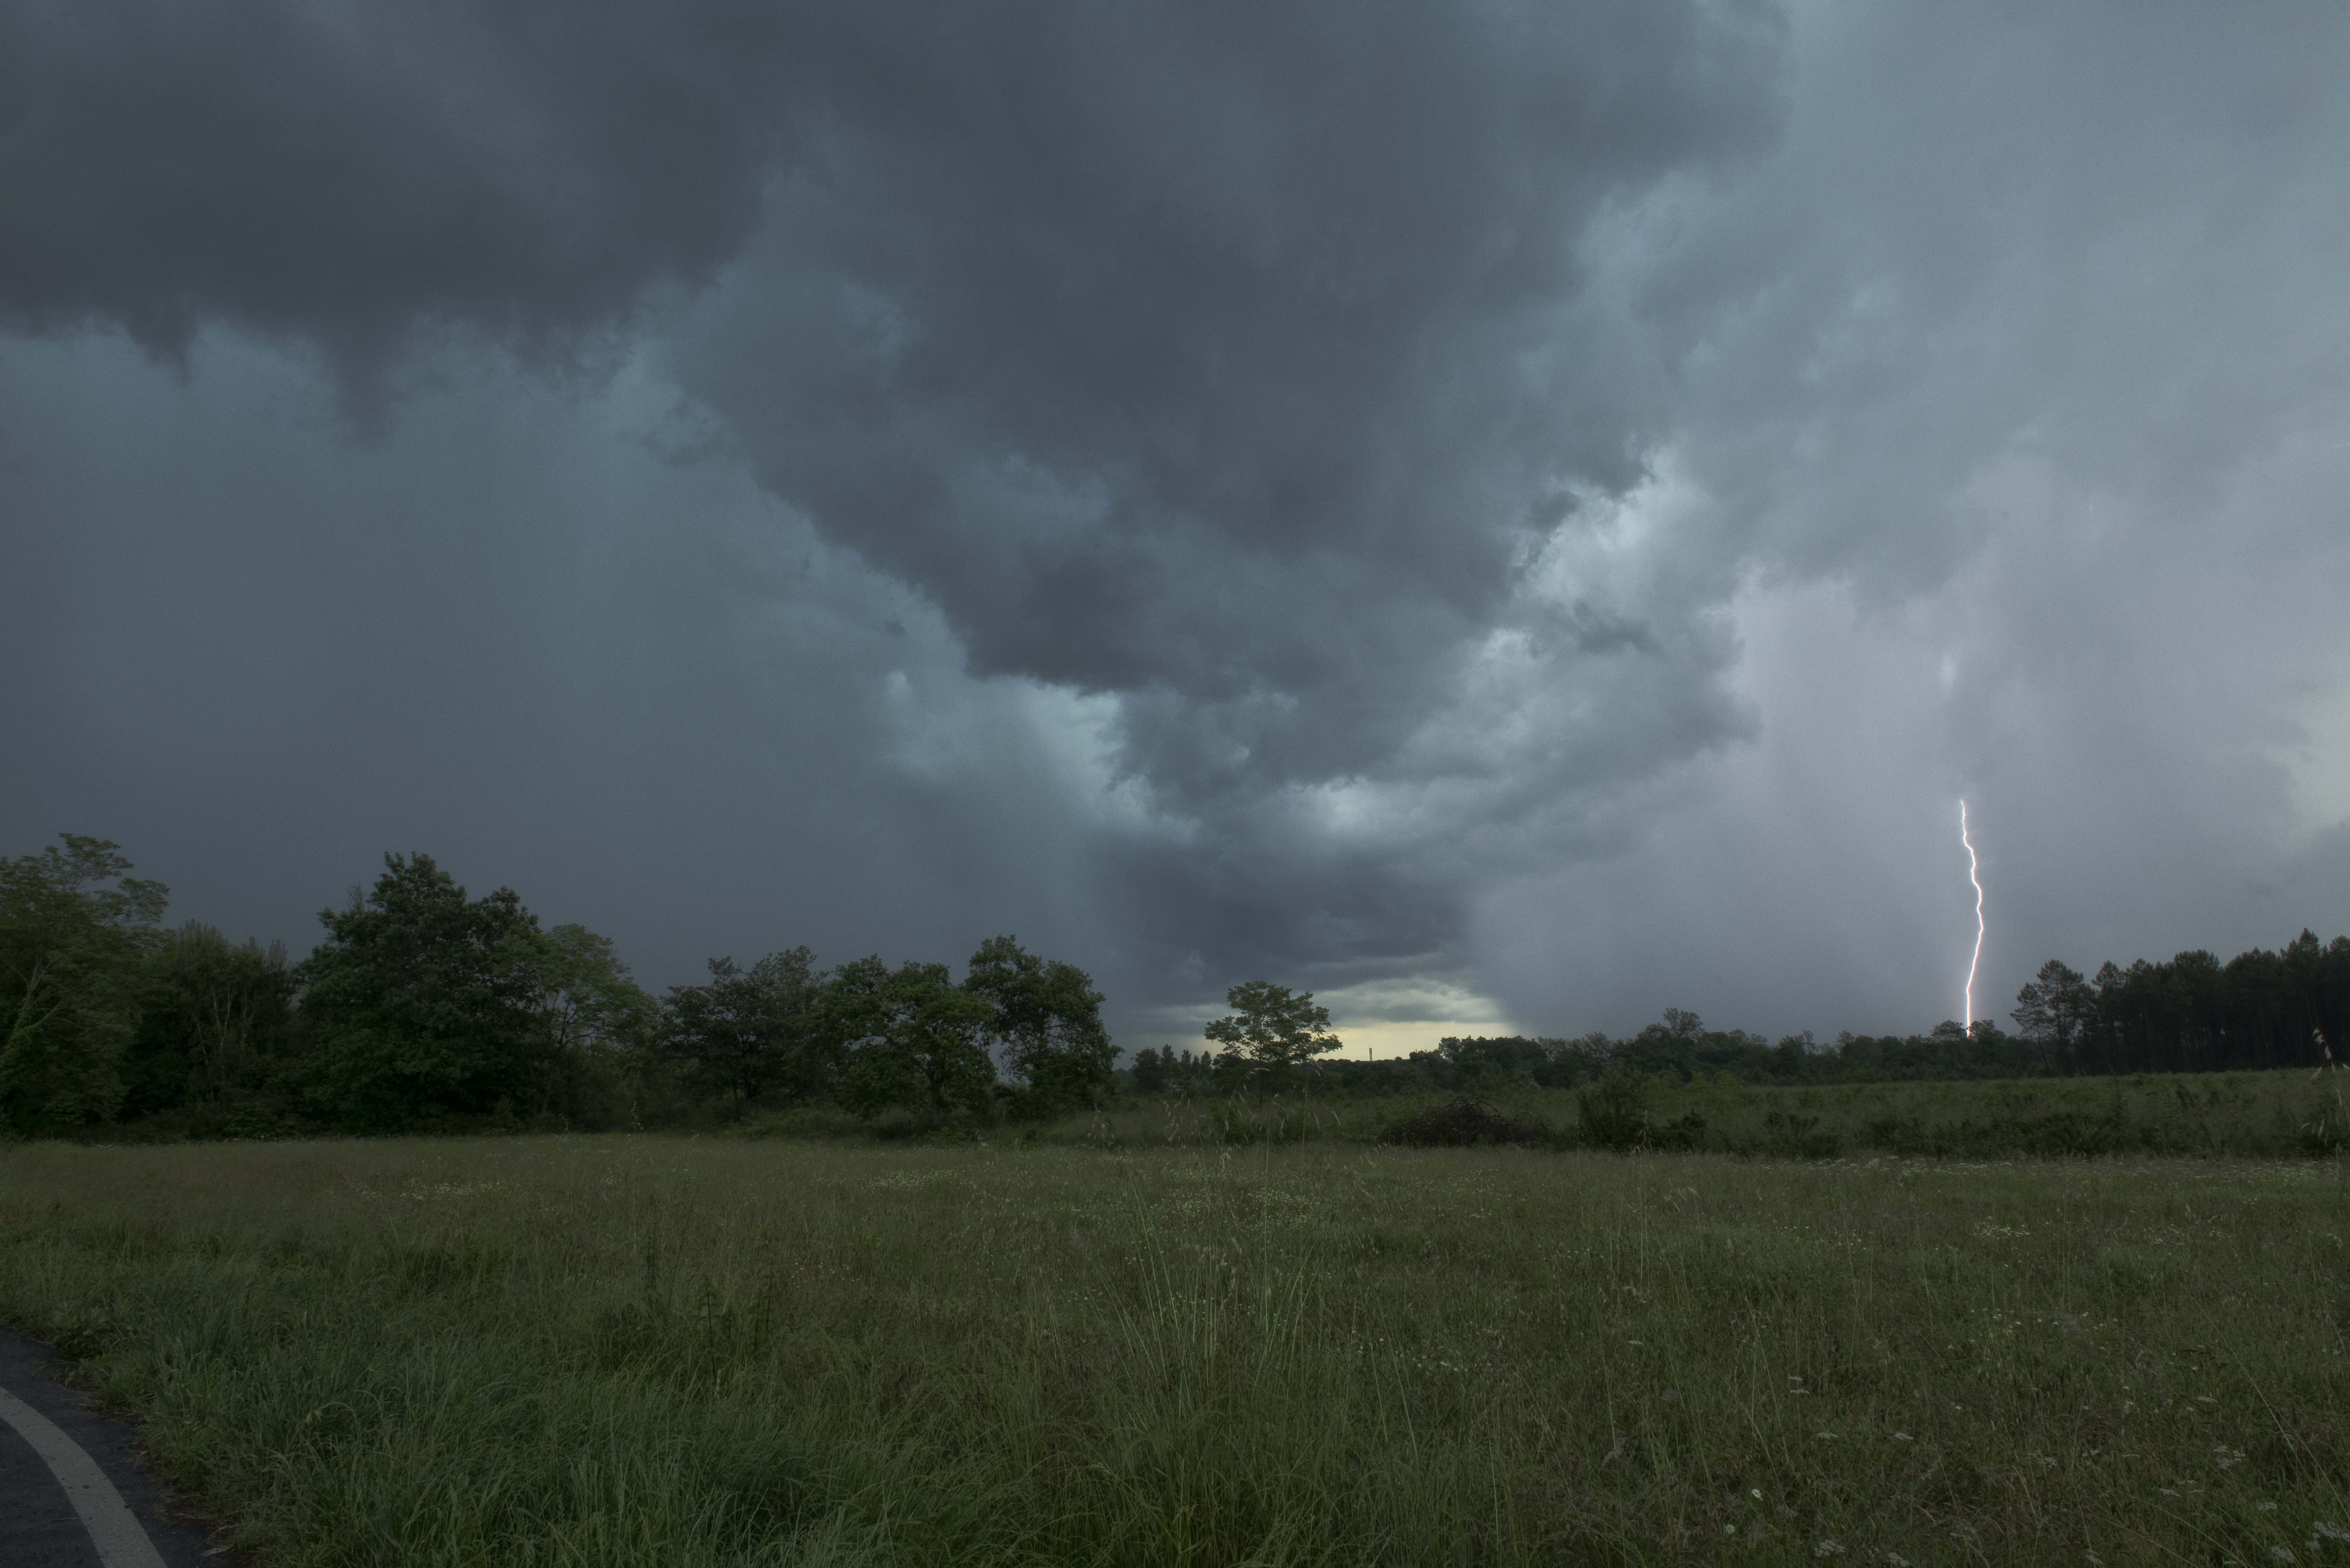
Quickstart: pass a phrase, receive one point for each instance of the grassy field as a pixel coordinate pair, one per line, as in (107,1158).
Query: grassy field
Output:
(641,1349)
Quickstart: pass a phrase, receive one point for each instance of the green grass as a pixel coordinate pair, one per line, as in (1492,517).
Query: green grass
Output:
(2258,1116)
(638,1350)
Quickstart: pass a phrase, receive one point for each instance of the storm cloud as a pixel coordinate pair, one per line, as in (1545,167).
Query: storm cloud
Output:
(1505,514)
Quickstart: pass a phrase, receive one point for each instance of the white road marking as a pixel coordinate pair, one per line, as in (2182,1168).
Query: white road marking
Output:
(114,1528)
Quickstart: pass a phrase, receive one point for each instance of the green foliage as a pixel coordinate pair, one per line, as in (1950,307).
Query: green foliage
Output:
(2193,1013)
(2261,1010)
(217,1022)
(424,1003)
(746,1034)
(923,1046)
(2266,1116)
(1046,1021)
(1464,1123)
(1614,1110)
(1154,1071)
(427,1008)
(2054,1008)
(1271,1031)
(1188,1074)
(596,1027)
(75,931)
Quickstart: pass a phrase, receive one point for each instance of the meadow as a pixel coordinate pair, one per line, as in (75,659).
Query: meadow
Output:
(630,1349)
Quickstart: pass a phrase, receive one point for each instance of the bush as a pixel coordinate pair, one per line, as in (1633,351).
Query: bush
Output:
(1614,1110)
(1465,1122)
(1794,1136)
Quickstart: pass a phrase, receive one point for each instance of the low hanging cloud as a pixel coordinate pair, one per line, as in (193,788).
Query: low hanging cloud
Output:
(1370,494)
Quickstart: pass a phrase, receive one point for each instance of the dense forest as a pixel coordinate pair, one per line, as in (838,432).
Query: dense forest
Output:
(424,1008)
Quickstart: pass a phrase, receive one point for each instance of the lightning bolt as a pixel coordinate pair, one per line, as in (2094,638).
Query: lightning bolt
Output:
(1973,867)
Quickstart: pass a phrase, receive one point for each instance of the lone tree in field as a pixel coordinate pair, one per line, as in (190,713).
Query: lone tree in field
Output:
(1272,1030)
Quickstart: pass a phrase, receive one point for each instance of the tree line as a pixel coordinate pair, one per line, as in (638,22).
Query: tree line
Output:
(2193,1013)
(1679,1046)
(2261,1010)
(425,1008)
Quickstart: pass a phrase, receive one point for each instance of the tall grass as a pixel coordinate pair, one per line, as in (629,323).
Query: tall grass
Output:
(2278,1115)
(631,1350)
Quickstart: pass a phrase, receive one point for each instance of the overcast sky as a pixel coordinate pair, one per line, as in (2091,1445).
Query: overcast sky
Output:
(1507,516)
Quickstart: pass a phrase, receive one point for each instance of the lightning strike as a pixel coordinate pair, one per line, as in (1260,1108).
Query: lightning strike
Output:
(1976,881)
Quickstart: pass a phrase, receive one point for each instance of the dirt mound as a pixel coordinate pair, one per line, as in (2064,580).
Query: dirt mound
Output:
(1464,1122)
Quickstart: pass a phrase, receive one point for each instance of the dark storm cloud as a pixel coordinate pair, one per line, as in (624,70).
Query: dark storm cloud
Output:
(1220,356)
(1202,347)
(1114,333)
(506,633)
(349,175)
(1560,498)
(1226,361)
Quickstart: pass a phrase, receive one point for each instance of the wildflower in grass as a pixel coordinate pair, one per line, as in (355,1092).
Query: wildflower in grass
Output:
(1756,1494)
(2266,1507)
(1903,1438)
(1827,1549)
(2325,1531)
(2282,1553)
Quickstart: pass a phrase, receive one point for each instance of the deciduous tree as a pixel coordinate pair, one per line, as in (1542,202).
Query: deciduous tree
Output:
(594,1021)
(422,1001)
(217,1016)
(748,1033)
(1046,1021)
(75,929)
(1271,1031)
(926,1048)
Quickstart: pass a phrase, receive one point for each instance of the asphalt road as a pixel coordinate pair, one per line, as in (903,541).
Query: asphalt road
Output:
(39,1524)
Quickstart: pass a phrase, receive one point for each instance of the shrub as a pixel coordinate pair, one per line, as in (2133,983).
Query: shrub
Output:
(1614,1110)
(1466,1122)
(1792,1136)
